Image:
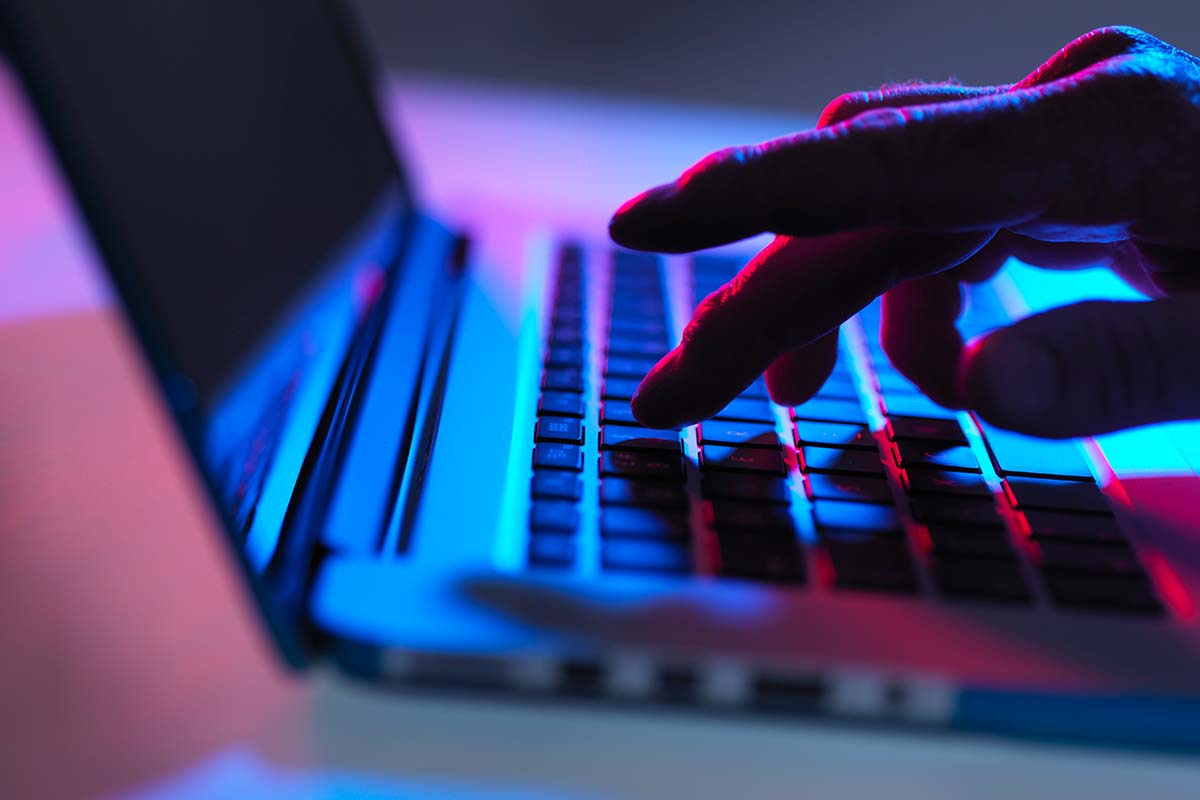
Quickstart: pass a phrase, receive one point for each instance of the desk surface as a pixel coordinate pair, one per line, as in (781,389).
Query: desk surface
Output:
(132,663)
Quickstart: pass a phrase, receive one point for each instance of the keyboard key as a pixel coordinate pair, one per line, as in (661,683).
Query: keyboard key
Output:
(639,329)
(563,380)
(752,434)
(922,455)
(870,563)
(935,481)
(758,558)
(834,434)
(570,289)
(838,387)
(637,305)
(956,510)
(889,380)
(636,348)
(570,259)
(571,357)
(565,336)
(746,459)
(1112,559)
(914,405)
(632,304)
(836,459)
(552,551)
(744,486)
(852,488)
(717,266)
(647,494)
(823,410)
(761,519)
(1120,593)
(617,411)
(630,437)
(854,516)
(556,483)
(970,540)
(967,578)
(1040,493)
(554,515)
(620,522)
(926,429)
(628,367)
(747,410)
(1063,525)
(619,388)
(1014,454)
(842,371)
(563,404)
(642,464)
(559,429)
(568,313)
(631,262)
(559,456)
(629,555)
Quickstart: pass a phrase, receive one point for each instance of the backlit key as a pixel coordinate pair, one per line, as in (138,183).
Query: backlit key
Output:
(855,488)
(922,455)
(834,434)
(559,456)
(733,432)
(748,459)
(636,523)
(559,429)
(642,464)
(631,437)
(836,459)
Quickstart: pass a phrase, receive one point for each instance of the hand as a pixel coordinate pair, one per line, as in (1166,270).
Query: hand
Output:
(1094,157)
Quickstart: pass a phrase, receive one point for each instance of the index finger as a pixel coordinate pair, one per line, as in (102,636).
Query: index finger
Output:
(793,292)
(974,164)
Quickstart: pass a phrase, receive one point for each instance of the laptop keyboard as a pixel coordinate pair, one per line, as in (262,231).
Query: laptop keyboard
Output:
(867,487)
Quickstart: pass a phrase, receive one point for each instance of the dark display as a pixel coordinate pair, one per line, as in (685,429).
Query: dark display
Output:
(223,151)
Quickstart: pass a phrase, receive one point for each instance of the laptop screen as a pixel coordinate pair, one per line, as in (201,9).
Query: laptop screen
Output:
(224,150)
(247,203)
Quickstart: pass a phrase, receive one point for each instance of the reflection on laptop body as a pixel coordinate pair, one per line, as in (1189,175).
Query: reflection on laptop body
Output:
(428,468)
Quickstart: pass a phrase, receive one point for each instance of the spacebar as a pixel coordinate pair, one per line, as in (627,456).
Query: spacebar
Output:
(1014,454)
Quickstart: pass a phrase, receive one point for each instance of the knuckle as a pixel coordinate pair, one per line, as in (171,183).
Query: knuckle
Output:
(713,164)
(694,334)
(844,107)
(895,158)
(729,323)
(1122,37)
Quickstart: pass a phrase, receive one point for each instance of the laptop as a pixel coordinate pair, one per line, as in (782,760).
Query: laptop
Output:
(427,468)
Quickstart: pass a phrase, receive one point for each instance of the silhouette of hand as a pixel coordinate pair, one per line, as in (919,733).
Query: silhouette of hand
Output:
(907,192)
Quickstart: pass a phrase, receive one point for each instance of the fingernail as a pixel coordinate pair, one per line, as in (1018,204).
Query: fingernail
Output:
(1010,380)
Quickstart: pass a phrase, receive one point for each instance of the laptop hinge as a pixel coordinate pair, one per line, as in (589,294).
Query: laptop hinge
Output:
(350,420)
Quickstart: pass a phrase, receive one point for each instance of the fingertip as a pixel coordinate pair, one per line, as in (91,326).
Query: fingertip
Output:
(656,401)
(654,416)
(1010,380)
(636,223)
(787,395)
(794,377)
(686,388)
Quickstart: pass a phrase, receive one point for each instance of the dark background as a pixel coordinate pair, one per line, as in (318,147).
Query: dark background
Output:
(757,53)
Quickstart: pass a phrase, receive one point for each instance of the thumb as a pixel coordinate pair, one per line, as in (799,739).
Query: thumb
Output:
(1088,368)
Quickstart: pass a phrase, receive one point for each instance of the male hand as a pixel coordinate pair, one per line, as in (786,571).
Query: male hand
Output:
(1094,157)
